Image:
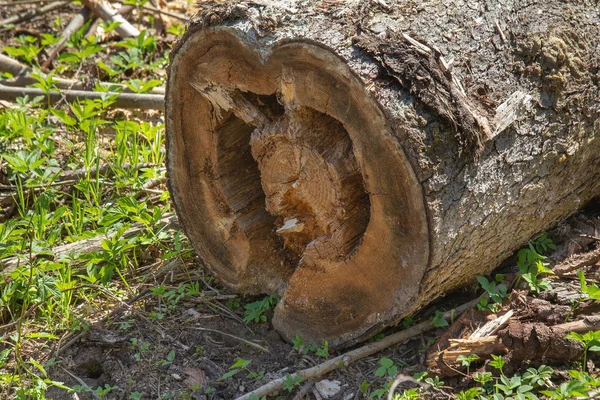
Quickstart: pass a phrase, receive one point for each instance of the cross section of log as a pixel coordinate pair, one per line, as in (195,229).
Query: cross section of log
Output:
(328,153)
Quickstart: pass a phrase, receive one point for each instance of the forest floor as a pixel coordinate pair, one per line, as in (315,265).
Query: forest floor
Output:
(103,298)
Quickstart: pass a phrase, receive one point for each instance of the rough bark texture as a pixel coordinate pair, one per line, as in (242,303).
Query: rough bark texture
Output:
(465,128)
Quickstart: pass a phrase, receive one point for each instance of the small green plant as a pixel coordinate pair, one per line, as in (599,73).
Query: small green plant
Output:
(591,341)
(496,291)
(386,368)
(311,347)
(590,291)
(239,365)
(498,362)
(438,320)
(408,394)
(168,361)
(466,361)
(539,377)
(530,261)
(291,381)
(140,348)
(469,394)
(255,312)
(514,387)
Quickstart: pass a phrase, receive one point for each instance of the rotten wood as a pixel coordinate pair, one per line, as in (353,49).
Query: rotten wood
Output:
(350,160)
(578,261)
(123,100)
(520,341)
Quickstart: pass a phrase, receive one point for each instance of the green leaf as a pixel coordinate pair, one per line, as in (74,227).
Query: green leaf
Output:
(228,375)
(73,58)
(386,362)
(240,363)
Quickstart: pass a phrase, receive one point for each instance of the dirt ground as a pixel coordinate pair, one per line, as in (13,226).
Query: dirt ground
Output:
(131,350)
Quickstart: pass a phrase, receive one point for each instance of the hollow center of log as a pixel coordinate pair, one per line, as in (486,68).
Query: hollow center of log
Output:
(312,184)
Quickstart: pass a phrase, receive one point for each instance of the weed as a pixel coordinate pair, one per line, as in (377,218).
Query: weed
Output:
(255,312)
(291,381)
(466,361)
(496,291)
(239,365)
(169,360)
(438,320)
(590,340)
(532,266)
(386,368)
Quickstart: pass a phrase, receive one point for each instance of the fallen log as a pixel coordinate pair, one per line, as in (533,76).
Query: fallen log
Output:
(334,153)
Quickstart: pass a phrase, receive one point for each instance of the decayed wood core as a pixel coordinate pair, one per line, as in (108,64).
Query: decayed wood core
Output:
(312,184)
(287,180)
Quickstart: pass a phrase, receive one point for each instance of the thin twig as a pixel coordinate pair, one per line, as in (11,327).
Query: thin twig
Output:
(354,355)
(249,343)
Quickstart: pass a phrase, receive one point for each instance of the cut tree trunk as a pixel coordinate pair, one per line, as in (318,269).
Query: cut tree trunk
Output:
(363,158)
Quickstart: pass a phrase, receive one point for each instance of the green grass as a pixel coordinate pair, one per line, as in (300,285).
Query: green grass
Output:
(48,205)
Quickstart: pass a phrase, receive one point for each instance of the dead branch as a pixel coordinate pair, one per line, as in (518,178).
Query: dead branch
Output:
(88,245)
(124,10)
(105,11)
(75,24)
(354,355)
(150,8)
(32,12)
(577,261)
(22,77)
(123,100)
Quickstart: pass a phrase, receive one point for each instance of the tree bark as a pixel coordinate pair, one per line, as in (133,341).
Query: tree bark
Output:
(363,158)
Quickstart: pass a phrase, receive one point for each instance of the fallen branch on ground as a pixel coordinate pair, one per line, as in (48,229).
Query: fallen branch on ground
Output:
(32,12)
(75,24)
(88,245)
(148,7)
(123,100)
(354,355)
(22,77)
(105,11)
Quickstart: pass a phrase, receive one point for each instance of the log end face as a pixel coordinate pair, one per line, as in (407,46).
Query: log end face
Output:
(287,180)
